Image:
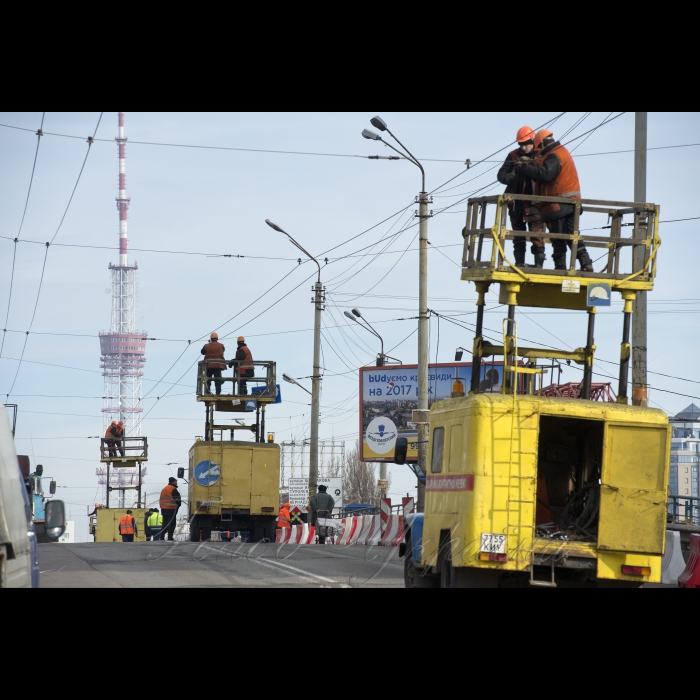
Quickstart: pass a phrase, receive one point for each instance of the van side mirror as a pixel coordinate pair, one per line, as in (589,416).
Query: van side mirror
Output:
(180,472)
(400,450)
(55,519)
(52,488)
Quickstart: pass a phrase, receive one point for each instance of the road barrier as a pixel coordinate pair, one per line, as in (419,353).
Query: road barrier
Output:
(302,534)
(673,563)
(283,535)
(690,578)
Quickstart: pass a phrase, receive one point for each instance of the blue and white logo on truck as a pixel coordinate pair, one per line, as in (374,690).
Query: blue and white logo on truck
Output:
(207,473)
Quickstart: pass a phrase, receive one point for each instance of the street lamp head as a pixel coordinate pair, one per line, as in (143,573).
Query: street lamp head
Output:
(357,313)
(287,378)
(273,225)
(371,135)
(378,123)
(458,354)
(350,316)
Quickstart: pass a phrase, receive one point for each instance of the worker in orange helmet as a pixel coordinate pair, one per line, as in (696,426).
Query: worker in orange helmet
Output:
(523,215)
(245,367)
(555,175)
(284,518)
(213,351)
(119,442)
(110,439)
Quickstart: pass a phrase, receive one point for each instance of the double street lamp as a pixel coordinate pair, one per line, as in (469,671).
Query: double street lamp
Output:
(423,331)
(316,376)
(354,316)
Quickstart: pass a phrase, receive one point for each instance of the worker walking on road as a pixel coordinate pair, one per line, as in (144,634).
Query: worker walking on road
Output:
(214,350)
(127,527)
(245,367)
(555,175)
(155,525)
(170,502)
(110,439)
(322,505)
(523,215)
(284,518)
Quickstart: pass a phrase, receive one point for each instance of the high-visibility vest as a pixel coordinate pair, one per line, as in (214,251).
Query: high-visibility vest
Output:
(155,520)
(247,362)
(283,519)
(566,184)
(109,434)
(118,430)
(166,498)
(214,351)
(126,525)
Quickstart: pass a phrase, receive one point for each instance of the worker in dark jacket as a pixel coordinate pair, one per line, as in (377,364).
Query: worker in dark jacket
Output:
(212,351)
(555,175)
(321,505)
(245,367)
(111,439)
(170,501)
(523,215)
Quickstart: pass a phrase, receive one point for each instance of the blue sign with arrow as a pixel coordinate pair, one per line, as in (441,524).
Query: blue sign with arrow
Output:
(207,473)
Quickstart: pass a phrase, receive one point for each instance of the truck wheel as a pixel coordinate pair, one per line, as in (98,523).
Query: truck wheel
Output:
(206,534)
(194,531)
(417,577)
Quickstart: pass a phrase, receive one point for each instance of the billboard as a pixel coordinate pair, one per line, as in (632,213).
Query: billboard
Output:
(388,395)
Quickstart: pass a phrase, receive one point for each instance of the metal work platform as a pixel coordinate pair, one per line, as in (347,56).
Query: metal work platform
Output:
(234,400)
(486,259)
(126,452)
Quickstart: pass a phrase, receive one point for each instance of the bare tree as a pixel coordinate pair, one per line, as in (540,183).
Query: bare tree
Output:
(359,479)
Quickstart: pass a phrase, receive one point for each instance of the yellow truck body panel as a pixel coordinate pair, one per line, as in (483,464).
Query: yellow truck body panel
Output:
(107,527)
(496,460)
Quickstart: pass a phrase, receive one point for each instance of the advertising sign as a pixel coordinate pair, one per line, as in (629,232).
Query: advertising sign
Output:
(389,394)
(299,492)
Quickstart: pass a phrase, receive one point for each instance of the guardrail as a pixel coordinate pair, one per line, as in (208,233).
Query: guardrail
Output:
(133,448)
(684,509)
(264,372)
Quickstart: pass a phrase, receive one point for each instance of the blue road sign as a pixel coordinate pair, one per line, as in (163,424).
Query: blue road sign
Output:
(250,405)
(207,473)
(260,389)
(598,294)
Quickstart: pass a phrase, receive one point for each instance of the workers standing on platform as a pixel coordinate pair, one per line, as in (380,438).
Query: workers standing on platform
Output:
(555,175)
(245,365)
(170,502)
(127,527)
(321,505)
(284,518)
(119,442)
(523,215)
(214,350)
(110,439)
(155,524)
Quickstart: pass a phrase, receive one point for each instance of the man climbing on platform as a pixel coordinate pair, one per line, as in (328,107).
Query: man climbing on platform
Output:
(214,350)
(119,435)
(555,175)
(245,365)
(523,215)
(110,439)
(170,501)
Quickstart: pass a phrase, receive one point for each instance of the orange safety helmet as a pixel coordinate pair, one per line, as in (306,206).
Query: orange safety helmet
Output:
(542,134)
(114,422)
(121,422)
(214,336)
(287,505)
(241,339)
(525,133)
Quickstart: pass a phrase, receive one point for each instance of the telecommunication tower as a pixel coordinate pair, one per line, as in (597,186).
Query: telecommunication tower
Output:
(123,348)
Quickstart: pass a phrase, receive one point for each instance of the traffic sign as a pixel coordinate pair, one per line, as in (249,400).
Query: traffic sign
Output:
(334,488)
(207,473)
(598,294)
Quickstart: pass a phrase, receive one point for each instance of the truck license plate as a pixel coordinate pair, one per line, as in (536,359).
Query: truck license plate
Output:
(493,543)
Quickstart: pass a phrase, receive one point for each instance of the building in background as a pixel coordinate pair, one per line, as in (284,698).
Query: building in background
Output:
(685,455)
(123,348)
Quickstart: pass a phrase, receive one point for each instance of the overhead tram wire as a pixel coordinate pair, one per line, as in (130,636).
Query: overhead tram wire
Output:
(90,141)
(19,232)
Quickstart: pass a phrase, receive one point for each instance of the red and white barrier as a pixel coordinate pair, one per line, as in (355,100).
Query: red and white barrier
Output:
(385,512)
(349,528)
(367,526)
(391,531)
(302,534)
(375,534)
(283,535)
(409,505)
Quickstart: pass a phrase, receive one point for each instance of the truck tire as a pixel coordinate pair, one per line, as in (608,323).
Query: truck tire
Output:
(262,528)
(194,530)
(417,577)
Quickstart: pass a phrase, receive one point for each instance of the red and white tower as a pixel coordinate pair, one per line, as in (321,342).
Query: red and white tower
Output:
(123,348)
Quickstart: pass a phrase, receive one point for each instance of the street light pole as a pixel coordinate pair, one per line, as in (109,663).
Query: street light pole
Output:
(423,332)
(318,301)
(639,306)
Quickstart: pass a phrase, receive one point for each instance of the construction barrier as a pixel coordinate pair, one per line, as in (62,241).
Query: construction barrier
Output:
(690,578)
(391,532)
(366,530)
(408,505)
(282,535)
(302,534)
(673,563)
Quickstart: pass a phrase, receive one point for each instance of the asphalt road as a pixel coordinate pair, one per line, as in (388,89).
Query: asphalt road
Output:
(217,565)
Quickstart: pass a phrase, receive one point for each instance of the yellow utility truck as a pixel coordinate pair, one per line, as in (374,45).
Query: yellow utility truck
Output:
(545,485)
(233,485)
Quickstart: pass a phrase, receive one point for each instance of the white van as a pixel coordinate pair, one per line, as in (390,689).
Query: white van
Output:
(18,554)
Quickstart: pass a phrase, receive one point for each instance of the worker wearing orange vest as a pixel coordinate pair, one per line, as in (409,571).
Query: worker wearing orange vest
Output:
(523,215)
(245,365)
(555,175)
(284,518)
(119,434)
(170,501)
(212,351)
(127,527)
(110,441)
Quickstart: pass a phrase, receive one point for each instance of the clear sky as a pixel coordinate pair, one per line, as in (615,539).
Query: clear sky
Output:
(210,202)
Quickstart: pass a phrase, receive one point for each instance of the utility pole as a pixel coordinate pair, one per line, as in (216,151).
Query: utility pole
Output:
(318,302)
(639,315)
(423,337)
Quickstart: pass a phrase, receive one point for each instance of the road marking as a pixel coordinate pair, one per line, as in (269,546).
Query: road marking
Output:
(300,573)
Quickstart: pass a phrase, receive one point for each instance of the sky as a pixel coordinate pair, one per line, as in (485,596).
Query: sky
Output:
(198,199)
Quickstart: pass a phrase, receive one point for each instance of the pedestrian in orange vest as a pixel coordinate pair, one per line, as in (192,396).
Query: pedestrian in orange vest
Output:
(284,518)
(127,527)
(170,501)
